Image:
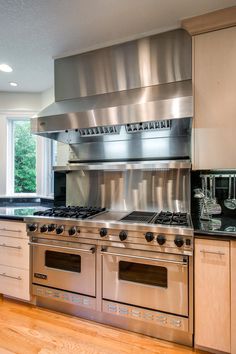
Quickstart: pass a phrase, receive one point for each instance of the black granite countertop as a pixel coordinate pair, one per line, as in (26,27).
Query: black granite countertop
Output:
(19,212)
(222,227)
(16,208)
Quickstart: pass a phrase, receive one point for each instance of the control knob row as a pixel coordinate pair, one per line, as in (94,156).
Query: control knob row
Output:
(122,235)
(59,229)
(149,236)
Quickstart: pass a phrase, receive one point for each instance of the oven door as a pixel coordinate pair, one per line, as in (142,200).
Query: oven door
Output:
(147,279)
(64,265)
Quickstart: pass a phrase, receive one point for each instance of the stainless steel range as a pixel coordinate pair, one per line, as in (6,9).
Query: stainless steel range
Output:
(132,270)
(126,258)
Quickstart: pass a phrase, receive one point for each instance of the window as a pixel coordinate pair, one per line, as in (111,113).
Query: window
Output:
(30,160)
(24,157)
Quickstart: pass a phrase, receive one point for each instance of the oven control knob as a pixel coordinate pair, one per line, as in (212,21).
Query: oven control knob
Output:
(188,242)
(161,239)
(179,241)
(43,228)
(51,227)
(123,235)
(59,229)
(32,227)
(103,232)
(149,236)
(72,231)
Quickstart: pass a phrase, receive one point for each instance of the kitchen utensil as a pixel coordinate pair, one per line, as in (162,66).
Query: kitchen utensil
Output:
(211,205)
(198,193)
(234,200)
(228,203)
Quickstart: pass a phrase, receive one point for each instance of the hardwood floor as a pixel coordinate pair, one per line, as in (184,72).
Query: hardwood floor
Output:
(26,329)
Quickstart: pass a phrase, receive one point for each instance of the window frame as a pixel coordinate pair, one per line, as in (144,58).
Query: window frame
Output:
(44,161)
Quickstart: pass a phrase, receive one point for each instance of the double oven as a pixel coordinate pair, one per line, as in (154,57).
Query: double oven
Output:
(137,288)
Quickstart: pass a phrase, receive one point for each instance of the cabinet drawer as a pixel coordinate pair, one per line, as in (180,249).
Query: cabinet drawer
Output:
(14,282)
(14,252)
(13,229)
(212,294)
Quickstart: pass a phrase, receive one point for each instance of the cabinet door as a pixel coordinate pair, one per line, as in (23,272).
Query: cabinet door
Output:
(212,294)
(233,297)
(214,78)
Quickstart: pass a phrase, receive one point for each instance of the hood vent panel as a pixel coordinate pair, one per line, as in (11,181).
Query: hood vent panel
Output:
(98,131)
(127,102)
(148,126)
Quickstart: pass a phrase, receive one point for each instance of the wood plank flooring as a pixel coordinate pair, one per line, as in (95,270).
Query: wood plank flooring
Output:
(26,329)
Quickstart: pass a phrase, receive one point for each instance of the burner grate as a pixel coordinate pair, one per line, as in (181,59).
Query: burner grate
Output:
(72,212)
(169,218)
(139,216)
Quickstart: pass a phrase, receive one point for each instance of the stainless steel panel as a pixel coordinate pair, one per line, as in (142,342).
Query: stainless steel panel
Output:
(62,279)
(150,328)
(93,226)
(130,190)
(140,314)
(64,296)
(124,166)
(170,101)
(173,299)
(153,60)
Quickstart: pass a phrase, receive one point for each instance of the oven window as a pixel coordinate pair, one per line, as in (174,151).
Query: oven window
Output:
(143,273)
(63,261)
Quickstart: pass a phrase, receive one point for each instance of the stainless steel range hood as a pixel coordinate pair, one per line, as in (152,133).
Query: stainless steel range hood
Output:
(138,81)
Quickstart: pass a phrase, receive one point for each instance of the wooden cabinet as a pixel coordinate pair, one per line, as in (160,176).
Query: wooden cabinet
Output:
(214,79)
(233,297)
(212,294)
(14,260)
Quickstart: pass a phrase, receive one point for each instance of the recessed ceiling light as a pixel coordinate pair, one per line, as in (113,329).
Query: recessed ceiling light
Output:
(6,68)
(13,84)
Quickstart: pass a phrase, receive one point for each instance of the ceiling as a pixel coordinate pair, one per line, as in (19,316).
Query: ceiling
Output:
(32,32)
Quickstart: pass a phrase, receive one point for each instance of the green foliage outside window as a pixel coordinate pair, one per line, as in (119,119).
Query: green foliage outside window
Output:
(25,158)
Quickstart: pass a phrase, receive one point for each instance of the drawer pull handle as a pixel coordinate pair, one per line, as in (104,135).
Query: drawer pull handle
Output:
(9,276)
(7,246)
(4,229)
(219,253)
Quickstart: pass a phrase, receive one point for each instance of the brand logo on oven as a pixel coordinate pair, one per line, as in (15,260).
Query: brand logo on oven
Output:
(40,276)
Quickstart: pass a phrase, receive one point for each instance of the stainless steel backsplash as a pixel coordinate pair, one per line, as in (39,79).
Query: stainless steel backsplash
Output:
(131,189)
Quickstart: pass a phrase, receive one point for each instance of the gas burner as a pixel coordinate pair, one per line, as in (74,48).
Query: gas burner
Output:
(72,212)
(169,218)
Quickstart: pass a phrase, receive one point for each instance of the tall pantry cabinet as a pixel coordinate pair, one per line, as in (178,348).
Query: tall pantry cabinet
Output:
(214,90)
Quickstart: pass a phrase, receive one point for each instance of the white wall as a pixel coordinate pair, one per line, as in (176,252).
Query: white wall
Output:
(62,149)
(47,97)
(20,101)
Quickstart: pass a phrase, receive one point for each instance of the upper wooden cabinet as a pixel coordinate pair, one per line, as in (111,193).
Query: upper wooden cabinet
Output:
(214,87)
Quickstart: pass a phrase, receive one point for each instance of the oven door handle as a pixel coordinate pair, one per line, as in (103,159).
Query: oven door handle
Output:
(184,264)
(92,249)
